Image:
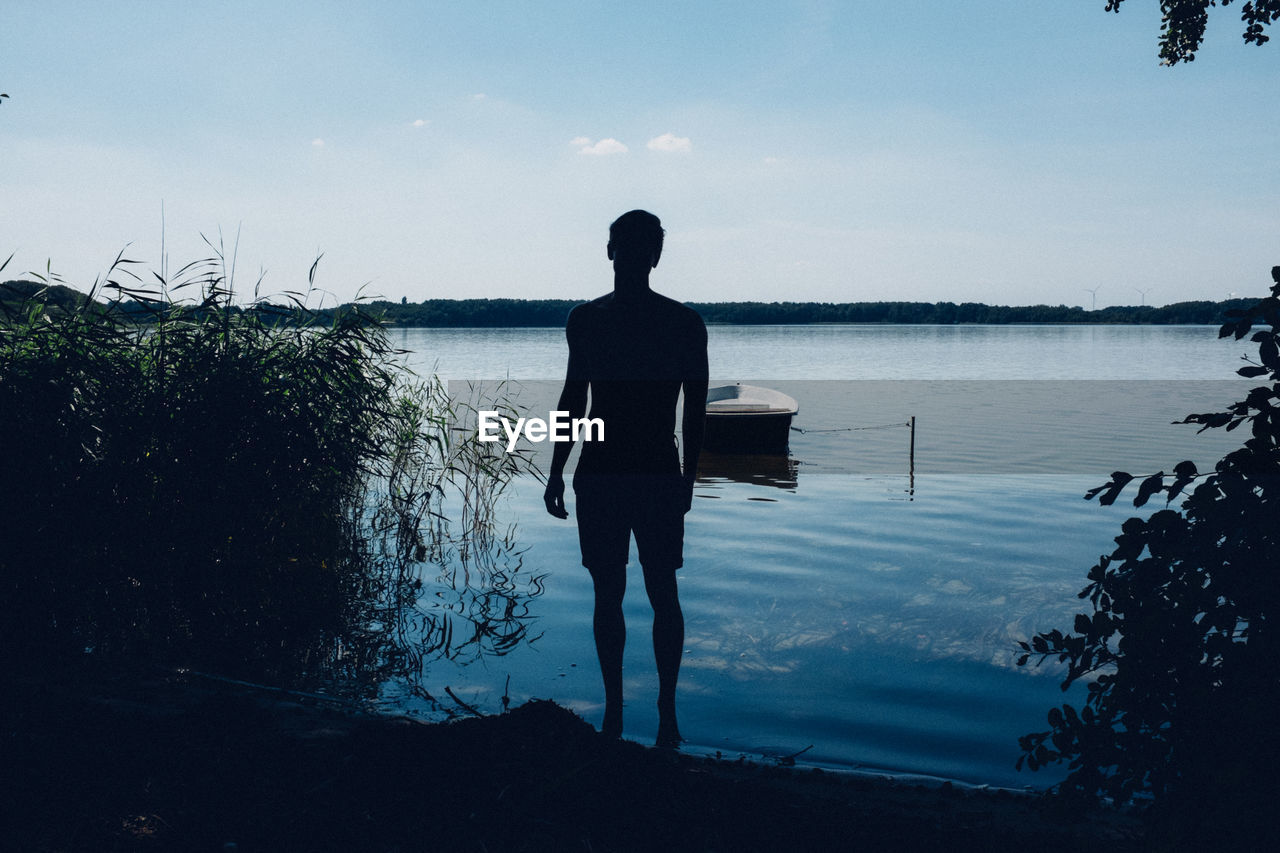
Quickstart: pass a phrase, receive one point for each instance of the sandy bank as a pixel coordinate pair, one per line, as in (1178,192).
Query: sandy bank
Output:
(166,761)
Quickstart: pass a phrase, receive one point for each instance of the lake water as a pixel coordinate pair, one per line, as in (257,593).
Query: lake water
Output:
(841,600)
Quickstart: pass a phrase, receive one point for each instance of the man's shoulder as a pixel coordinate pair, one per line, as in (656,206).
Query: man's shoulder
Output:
(678,309)
(596,304)
(586,312)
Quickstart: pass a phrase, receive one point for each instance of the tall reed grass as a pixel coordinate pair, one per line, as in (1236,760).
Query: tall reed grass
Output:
(224,486)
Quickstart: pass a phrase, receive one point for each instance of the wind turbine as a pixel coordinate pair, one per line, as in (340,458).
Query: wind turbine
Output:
(1144,293)
(1093,294)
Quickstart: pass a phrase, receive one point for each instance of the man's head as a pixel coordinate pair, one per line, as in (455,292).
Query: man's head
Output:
(635,240)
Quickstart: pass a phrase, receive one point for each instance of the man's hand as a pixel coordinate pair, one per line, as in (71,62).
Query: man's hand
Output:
(687,492)
(554,496)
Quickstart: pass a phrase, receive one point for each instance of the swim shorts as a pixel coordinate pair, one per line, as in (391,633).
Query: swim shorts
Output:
(612,507)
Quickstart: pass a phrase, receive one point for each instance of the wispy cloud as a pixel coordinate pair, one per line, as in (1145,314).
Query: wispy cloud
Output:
(601,148)
(670,143)
(318,142)
(419,122)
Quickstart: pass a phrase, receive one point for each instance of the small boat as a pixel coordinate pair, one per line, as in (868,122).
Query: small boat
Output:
(748,419)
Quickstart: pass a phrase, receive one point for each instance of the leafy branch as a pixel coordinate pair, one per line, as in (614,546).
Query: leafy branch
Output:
(1177,650)
(1183,23)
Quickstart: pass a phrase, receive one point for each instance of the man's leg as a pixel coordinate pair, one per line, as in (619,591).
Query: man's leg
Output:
(611,637)
(668,646)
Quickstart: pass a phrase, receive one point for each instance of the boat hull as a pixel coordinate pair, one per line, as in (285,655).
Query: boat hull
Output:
(747,433)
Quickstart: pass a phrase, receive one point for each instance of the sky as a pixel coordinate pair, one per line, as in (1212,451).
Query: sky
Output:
(993,151)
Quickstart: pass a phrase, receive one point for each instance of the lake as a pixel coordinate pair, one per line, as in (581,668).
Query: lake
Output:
(843,601)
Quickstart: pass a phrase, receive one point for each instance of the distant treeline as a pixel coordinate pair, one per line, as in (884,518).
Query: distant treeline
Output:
(59,297)
(552,312)
(507,313)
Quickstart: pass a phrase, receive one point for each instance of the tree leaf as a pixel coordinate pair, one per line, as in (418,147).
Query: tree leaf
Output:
(1149,487)
(1269,353)
(1119,480)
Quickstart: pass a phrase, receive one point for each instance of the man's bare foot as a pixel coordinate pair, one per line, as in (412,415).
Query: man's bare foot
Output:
(668,732)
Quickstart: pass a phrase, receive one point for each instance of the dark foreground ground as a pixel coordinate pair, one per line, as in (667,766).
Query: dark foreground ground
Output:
(97,761)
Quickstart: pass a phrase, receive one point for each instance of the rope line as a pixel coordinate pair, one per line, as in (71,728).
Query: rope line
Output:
(853,429)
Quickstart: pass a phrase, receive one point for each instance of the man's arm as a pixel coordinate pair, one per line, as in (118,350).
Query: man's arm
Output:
(573,399)
(694,415)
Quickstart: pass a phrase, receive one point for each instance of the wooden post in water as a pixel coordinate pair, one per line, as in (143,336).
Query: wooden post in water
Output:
(912,460)
(913,444)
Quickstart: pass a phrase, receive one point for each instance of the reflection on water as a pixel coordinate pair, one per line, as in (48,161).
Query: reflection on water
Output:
(777,471)
(464,595)
(881,631)
(477,603)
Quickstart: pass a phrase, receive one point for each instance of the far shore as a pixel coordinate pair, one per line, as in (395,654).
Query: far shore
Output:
(551,313)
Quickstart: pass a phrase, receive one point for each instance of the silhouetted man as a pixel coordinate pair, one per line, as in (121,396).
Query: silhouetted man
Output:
(635,350)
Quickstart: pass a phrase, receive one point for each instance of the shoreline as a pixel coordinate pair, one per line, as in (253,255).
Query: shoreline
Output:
(153,760)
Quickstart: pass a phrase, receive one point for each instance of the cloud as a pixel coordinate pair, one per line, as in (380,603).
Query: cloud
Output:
(605,146)
(420,122)
(318,142)
(580,141)
(478,96)
(669,142)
